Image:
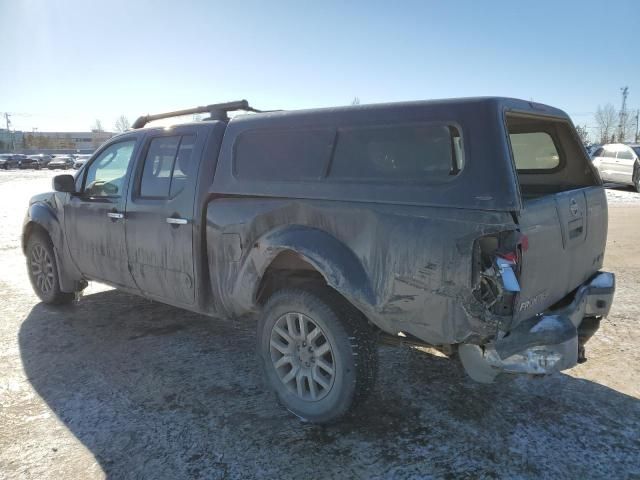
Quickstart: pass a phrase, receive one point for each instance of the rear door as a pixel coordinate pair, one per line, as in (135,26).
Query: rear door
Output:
(624,165)
(159,227)
(564,215)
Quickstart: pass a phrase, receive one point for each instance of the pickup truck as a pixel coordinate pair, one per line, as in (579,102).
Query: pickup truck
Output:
(473,226)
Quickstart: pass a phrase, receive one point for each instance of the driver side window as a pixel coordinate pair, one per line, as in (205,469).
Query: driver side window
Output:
(106,175)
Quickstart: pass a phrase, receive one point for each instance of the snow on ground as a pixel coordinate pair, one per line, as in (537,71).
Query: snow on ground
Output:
(622,195)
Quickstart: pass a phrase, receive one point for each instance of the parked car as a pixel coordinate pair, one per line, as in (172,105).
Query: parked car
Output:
(475,226)
(29,162)
(619,163)
(9,160)
(591,149)
(80,160)
(63,162)
(43,159)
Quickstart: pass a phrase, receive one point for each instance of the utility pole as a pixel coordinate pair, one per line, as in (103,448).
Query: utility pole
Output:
(6,118)
(622,126)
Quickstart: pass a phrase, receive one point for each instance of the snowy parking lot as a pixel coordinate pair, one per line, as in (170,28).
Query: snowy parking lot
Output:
(116,386)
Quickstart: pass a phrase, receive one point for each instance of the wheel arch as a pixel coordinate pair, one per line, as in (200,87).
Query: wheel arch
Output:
(313,254)
(42,218)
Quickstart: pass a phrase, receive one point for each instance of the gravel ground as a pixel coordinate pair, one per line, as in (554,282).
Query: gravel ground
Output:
(120,387)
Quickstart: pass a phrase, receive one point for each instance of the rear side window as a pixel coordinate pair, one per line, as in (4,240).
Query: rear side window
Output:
(166,166)
(625,154)
(534,151)
(183,165)
(286,155)
(398,153)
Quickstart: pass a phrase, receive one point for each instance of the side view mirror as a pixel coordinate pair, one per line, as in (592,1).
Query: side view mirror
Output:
(64,183)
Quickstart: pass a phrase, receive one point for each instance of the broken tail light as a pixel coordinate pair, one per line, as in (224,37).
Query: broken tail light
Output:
(497,262)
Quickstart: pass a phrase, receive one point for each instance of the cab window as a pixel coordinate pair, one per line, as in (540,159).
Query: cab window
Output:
(167,165)
(106,175)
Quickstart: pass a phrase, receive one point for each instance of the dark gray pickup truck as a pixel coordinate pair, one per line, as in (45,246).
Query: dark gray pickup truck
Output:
(474,226)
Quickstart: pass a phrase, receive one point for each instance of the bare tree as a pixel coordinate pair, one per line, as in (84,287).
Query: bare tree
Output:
(355,101)
(122,124)
(605,118)
(584,134)
(97,126)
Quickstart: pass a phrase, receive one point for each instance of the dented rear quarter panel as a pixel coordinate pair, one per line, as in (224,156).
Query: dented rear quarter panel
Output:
(407,268)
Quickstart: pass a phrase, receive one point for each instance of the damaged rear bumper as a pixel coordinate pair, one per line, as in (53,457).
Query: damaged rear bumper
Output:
(546,343)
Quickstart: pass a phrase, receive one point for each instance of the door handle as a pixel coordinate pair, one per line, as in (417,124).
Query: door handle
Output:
(177,221)
(115,215)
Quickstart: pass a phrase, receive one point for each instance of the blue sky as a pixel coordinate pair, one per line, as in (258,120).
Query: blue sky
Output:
(66,63)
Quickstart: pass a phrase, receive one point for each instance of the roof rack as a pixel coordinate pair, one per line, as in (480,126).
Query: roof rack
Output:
(216,111)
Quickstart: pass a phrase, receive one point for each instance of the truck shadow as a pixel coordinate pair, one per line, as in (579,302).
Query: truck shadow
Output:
(156,392)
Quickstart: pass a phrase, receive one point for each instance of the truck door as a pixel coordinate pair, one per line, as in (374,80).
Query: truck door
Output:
(94,218)
(159,226)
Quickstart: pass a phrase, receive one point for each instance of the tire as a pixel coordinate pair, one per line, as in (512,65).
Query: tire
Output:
(43,270)
(636,176)
(334,370)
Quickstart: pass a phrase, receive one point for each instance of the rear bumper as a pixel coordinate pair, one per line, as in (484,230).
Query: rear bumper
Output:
(548,342)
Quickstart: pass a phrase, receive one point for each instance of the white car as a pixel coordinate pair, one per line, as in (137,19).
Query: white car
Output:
(619,163)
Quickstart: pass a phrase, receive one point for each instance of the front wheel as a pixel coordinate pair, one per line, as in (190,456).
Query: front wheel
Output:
(43,270)
(318,353)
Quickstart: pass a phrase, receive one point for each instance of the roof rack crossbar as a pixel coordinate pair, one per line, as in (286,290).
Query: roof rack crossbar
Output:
(217,111)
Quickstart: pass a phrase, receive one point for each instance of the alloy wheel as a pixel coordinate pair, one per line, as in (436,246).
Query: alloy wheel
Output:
(42,268)
(302,356)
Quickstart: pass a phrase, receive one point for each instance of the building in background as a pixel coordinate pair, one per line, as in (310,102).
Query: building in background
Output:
(51,142)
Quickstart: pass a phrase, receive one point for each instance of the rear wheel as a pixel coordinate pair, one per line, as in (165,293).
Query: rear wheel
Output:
(43,270)
(318,353)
